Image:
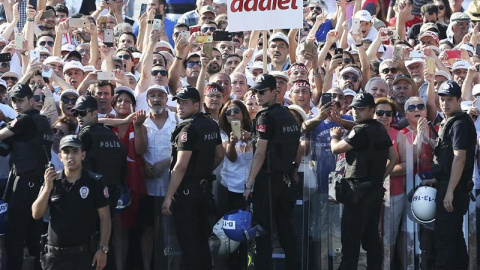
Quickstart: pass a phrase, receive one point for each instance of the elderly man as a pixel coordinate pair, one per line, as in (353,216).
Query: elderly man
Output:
(278,50)
(403,89)
(415,68)
(459,24)
(459,71)
(388,70)
(349,78)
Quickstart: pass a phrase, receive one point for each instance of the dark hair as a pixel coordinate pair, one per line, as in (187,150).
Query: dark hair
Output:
(403,42)
(163,57)
(448,10)
(429,9)
(130,34)
(223,122)
(178,25)
(389,101)
(71,125)
(222,73)
(445,41)
(233,55)
(61,8)
(102,84)
(131,57)
(44,34)
(117,95)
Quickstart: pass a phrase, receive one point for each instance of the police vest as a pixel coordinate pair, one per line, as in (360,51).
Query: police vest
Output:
(282,148)
(106,156)
(203,154)
(32,155)
(369,165)
(443,153)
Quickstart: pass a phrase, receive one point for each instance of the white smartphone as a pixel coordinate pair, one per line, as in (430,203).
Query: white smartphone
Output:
(108,37)
(157,24)
(185,35)
(355,26)
(18,41)
(77,23)
(416,54)
(237,132)
(47,72)
(34,54)
(105,76)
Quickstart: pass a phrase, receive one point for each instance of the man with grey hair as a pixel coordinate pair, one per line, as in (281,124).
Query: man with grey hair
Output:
(378,87)
(239,84)
(388,69)
(403,89)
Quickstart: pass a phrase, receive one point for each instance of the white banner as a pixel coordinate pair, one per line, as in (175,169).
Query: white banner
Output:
(246,15)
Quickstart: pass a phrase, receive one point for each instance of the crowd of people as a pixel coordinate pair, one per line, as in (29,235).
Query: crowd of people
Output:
(111,124)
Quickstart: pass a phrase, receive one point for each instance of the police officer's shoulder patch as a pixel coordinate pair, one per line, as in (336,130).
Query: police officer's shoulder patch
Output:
(84,192)
(183,137)
(105,192)
(94,175)
(351,134)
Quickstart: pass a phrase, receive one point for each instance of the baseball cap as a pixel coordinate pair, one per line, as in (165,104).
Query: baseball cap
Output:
(157,87)
(70,141)
(264,81)
(72,65)
(459,17)
(54,59)
(125,89)
(467,47)
(465,105)
(90,68)
(138,55)
(20,90)
(476,89)
(429,27)
(450,88)
(220,2)
(363,15)
(68,48)
(400,77)
(444,74)
(299,110)
(164,44)
(413,61)
(462,64)
(85,103)
(370,6)
(279,74)
(205,9)
(69,91)
(256,65)
(349,92)
(363,100)
(43,50)
(278,36)
(73,54)
(473,11)
(193,54)
(187,92)
(129,74)
(429,34)
(2,40)
(10,74)
(349,70)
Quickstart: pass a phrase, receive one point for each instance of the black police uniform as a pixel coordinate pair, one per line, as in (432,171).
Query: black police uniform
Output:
(74,222)
(277,125)
(193,201)
(456,133)
(365,163)
(30,152)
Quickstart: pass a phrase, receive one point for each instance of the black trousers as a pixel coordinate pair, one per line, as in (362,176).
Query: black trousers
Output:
(82,261)
(20,225)
(191,209)
(449,239)
(113,195)
(282,197)
(360,226)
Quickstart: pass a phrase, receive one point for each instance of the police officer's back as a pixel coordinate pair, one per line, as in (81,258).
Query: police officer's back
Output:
(30,138)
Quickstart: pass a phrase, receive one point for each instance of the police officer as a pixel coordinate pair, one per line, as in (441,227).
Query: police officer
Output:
(367,147)
(453,168)
(197,150)
(78,200)
(30,138)
(105,154)
(276,139)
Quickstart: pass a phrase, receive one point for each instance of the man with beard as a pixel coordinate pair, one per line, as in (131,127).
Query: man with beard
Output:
(226,48)
(459,25)
(388,70)
(50,22)
(74,74)
(225,82)
(403,89)
(459,71)
(349,78)
(316,8)
(216,63)
(231,62)
(238,38)
(103,93)
(160,124)
(415,69)
(278,49)
(239,85)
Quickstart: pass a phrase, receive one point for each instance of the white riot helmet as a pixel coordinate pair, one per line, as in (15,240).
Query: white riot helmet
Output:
(227,245)
(424,204)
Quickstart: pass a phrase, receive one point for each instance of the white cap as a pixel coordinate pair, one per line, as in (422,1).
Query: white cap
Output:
(468,48)
(157,87)
(462,64)
(10,74)
(124,89)
(465,105)
(363,15)
(349,92)
(299,110)
(280,74)
(476,89)
(278,35)
(69,91)
(68,47)
(349,70)
(256,65)
(137,55)
(2,40)
(53,59)
(43,50)
(444,74)
(164,44)
(89,68)
(220,2)
(130,75)
(413,61)
(72,65)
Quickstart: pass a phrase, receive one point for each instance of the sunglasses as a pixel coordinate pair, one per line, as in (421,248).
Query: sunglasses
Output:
(9,78)
(85,51)
(315,8)
(125,56)
(211,29)
(59,132)
(420,107)
(232,110)
(348,77)
(213,96)
(441,7)
(67,100)
(382,112)
(162,72)
(4,65)
(80,113)
(388,70)
(237,34)
(37,98)
(193,63)
(256,92)
(49,43)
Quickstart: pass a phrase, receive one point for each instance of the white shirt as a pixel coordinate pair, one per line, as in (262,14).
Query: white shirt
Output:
(158,150)
(234,174)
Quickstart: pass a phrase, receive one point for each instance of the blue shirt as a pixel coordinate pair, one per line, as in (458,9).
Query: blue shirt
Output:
(322,31)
